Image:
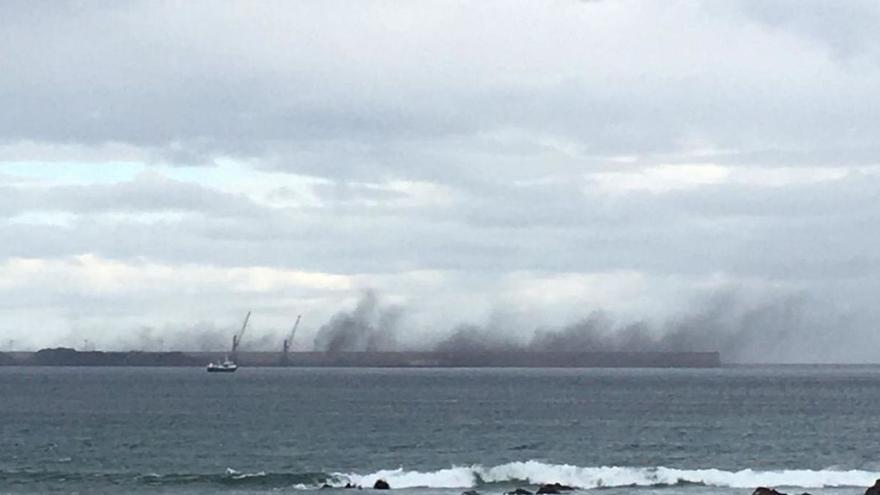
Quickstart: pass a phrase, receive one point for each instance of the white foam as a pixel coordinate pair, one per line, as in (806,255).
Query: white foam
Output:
(454,477)
(535,472)
(243,476)
(238,475)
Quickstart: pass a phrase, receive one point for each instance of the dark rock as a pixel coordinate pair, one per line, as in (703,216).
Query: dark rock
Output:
(470,492)
(381,485)
(766,491)
(553,489)
(325,486)
(350,486)
(519,491)
(874,490)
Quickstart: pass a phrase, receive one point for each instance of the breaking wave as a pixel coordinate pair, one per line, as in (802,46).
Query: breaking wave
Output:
(535,472)
(460,477)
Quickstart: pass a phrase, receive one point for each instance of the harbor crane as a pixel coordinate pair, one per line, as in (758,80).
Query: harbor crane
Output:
(288,342)
(236,339)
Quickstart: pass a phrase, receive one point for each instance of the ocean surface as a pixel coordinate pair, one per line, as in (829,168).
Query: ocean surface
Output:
(438,431)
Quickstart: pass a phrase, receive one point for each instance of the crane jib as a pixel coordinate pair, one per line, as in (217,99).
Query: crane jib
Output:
(288,342)
(236,339)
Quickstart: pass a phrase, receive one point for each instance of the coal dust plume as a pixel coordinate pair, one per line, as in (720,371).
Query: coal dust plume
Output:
(791,329)
(787,330)
(368,327)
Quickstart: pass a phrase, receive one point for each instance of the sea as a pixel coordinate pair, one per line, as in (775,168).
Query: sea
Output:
(809,429)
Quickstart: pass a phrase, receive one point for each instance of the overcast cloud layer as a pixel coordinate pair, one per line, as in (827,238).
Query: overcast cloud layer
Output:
(510,172)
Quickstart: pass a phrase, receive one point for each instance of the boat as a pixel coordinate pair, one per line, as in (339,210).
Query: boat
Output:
(225,366)
(228,365)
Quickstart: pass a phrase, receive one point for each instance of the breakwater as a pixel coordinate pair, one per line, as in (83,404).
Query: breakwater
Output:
(497,359)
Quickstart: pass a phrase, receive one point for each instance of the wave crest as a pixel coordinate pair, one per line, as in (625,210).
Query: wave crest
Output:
(536,472)
(460,477)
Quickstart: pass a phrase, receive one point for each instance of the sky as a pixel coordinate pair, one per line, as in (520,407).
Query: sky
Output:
(513,168)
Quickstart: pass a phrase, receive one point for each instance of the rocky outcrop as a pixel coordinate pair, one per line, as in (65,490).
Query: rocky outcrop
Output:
(874,490)
(772,491)
(519,491)
(766,491)
(553,489)
(470,492)
(381,485)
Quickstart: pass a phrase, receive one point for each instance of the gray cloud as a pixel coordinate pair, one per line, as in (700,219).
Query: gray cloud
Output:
(293,84)
(816,231)
(847,30)
(145,194)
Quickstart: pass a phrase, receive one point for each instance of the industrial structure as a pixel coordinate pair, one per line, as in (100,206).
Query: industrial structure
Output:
(229,362)
(465,359)
(236,339)
(288,342)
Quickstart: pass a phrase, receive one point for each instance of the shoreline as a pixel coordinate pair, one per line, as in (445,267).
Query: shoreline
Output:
(403,359)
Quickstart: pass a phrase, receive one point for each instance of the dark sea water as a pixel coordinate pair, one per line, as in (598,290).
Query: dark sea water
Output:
(432,431)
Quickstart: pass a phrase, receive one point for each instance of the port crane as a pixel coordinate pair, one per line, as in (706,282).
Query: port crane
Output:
(288,342)
(236,339)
